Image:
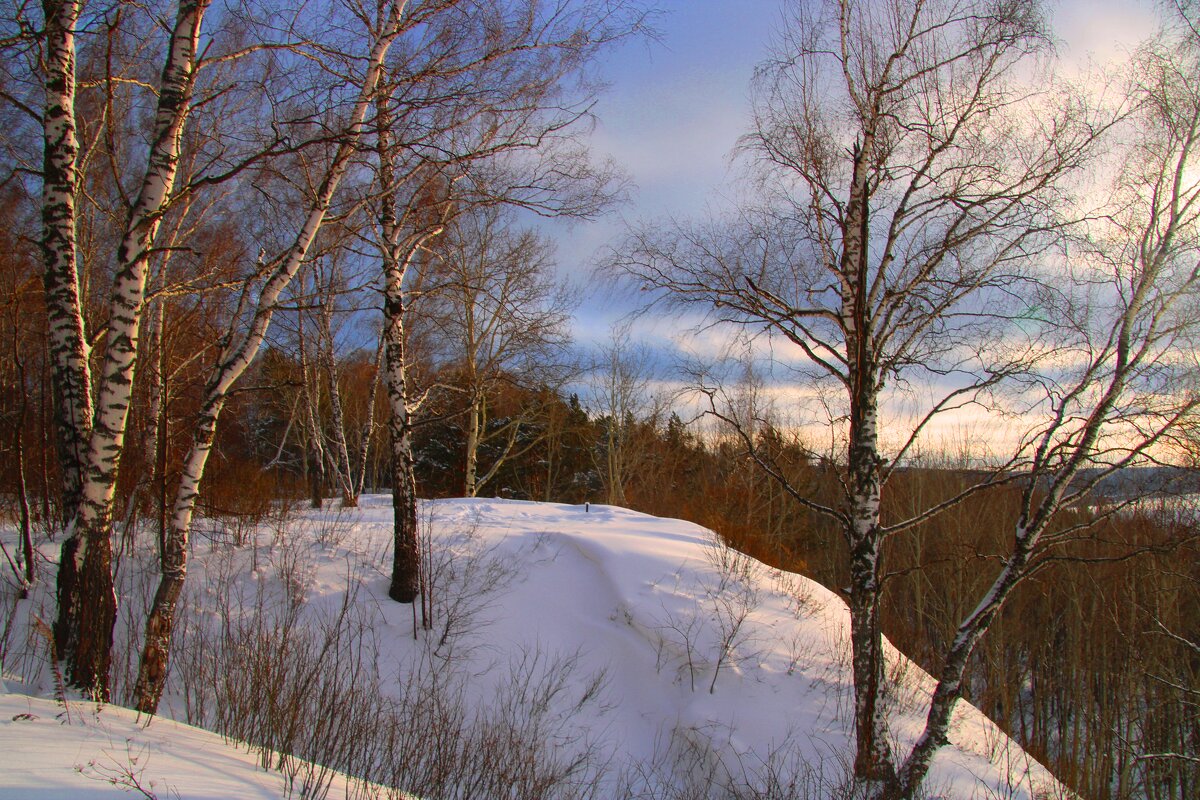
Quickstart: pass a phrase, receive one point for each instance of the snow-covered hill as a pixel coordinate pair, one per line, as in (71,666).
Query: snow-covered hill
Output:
(85,751)
(637,653)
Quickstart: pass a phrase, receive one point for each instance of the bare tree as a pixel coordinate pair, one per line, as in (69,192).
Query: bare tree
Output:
(620,393)
(1176,675)
(19,286)
(504,318)
(339,456)
(1127,385)
(498,120)
(400,239)
(325,300)
(910,175)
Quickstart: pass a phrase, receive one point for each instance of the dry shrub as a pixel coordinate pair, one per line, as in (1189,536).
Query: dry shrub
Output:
(311,699)
(242,495)
(695,763)
(307,690)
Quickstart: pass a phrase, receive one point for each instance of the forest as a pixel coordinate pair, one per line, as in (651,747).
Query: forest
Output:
(264,255)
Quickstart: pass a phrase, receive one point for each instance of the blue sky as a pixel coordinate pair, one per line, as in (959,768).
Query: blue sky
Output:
(675,109)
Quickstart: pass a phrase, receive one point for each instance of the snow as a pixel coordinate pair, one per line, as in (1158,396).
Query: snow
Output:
(701,653)
(99,752)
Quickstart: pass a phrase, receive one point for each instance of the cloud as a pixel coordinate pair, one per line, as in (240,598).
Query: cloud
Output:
(1103,31)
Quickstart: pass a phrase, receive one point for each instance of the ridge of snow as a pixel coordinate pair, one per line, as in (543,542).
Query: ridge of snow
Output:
(653,604)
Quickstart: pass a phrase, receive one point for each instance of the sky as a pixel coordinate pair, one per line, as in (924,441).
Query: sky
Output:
(671,118)
(676,107)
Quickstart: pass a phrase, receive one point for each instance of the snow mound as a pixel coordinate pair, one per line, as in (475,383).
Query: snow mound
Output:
(687,660)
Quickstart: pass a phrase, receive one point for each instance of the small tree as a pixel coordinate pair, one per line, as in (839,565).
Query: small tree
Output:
(504,320)
(620,392)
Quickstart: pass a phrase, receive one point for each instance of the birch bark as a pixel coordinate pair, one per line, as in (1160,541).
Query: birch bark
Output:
(236,355)
(70,372)
(88,603)
(475,417)
(872,758)
(398,248)
(406,577)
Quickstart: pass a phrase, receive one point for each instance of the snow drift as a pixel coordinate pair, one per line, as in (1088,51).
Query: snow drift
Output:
(639,656)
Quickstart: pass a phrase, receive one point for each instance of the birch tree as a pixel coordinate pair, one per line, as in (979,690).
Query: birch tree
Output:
(911,172)
(339,457)
(87,602)
(255,307)
(1130,386)
(504,318)
(497,119)
(323,299)
(620,392)
(400,240)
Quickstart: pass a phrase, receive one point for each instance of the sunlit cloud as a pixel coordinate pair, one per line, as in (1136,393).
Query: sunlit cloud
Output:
(671,119)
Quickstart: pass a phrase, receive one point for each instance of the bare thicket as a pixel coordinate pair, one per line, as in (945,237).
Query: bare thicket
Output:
(307,691)
(368,117)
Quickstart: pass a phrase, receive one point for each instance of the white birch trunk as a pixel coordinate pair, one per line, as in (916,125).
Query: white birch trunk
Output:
(512,434)
(873,758)
(368,429)
(314,456)
(474,423)
(70,372)
(341,450)
(406,577)
(86,618)
(236,355)
(397,252)
(150,428)
(68,343)
(873,755)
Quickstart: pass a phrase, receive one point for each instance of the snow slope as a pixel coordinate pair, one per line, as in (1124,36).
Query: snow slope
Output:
(708,666)
(47,753)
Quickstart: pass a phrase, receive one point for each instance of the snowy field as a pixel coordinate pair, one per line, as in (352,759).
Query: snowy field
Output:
(637,656)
